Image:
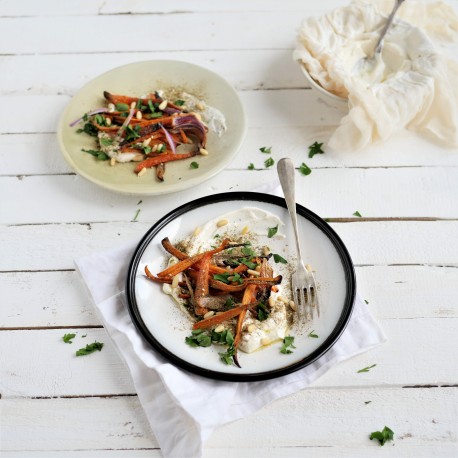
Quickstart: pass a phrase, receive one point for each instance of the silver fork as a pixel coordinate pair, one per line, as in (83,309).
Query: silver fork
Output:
(302,280)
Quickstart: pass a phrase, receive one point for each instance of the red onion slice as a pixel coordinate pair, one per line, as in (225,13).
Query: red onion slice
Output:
(170,140)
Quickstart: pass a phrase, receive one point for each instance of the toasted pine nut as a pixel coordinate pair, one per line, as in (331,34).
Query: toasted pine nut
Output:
(251,328)
(265,341)
(308,267)
(220,328)
(271,301)
(283,299)
(113,161)
(142,172)
(154,149)
(163,105)
(111,107)
(197,231)
(258,268)
(132,105)
(209,314)
(175,281)
(108,121)
(139,115)
(147,142)
(245,230)
(253,272)
(232,278)
(266,251)
(203,151)
(222,222)
(200,106)
(292,305)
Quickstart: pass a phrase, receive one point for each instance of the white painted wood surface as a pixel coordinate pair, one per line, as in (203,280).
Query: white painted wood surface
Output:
(405,247)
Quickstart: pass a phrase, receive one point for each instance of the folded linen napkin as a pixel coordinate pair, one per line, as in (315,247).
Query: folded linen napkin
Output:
(412,84)
(182,408)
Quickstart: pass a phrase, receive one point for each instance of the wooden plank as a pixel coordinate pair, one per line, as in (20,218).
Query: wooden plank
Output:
(30,154)
(142,32)
(40,299)
(54,369)
(245,69)
(282,108)
(423,420)
(373,192)
(27,247)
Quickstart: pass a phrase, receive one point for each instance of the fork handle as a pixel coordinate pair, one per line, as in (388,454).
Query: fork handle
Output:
(286,173)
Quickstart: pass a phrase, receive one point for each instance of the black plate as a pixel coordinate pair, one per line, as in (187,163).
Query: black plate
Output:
(242,196)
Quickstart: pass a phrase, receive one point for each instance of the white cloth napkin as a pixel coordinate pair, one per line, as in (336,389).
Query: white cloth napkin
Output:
(183,409)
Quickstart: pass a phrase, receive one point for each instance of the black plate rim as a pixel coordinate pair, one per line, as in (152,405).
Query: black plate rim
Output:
(338,244)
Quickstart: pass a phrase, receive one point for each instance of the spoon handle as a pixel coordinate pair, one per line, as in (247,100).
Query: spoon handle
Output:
(389,21)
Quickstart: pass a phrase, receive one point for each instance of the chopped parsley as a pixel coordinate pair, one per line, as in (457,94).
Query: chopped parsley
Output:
(90,129)
(122,107)
(105,141)
(366,369)
(83,336)
(278,258)
(159,114)
(132,132)
(139,202)
(99,155)
(179,103)
(67,338)
(230,303)
(248,251)
(305,169)
(358,214)
(269,162)
(90,348)
(194,165)
(234,277)
(263,313)
(223,337)
(266,149)
(250,166)
(288,342)
(198,338)
(386,434)
(271,231)
(228,356)
(136,215)
(315,148)
(313,335)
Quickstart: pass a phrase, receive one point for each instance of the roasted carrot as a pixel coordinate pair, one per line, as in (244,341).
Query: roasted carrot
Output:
(152,161)
(248,297)
(160,170)
(188,262)
(167,244)
(183,136)
(156,279)
(222,317)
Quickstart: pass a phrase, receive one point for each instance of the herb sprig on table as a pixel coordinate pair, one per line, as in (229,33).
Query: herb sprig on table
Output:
(383,436)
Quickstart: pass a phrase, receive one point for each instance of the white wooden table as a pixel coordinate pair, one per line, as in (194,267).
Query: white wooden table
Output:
(405,247)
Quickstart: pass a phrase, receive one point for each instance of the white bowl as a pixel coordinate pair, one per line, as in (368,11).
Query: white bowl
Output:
(334,100)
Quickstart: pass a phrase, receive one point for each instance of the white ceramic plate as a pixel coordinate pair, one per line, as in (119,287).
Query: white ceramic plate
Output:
(135,80)
(164,325)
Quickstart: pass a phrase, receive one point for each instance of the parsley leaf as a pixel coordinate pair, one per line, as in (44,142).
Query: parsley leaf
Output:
(136,215)
(179,102)
(250,166)
(67,338)
(223,337)
(228,356)
(248,251)
(313,335)
(230,303)
(105,141)
(248,263)
(382,436)
(90,129)
(315,148)
(90,348)
(266,149)
(151,106)
(198,338)
(97,154)
(194,165)
(234,277)
(132,132)
(271,231)
(366,369)
(305,169)
(358,214)
(262,311)
(288,342)
(278,258)
(122,107)
(269,162)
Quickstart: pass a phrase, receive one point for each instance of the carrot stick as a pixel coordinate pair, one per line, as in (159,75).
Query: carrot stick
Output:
(247,299)
(188,262)
(167,244)
(183,136)
(152,161)
(156,279)
(224,316)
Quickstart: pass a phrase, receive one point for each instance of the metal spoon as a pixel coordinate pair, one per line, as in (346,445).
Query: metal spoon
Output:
(368,63)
